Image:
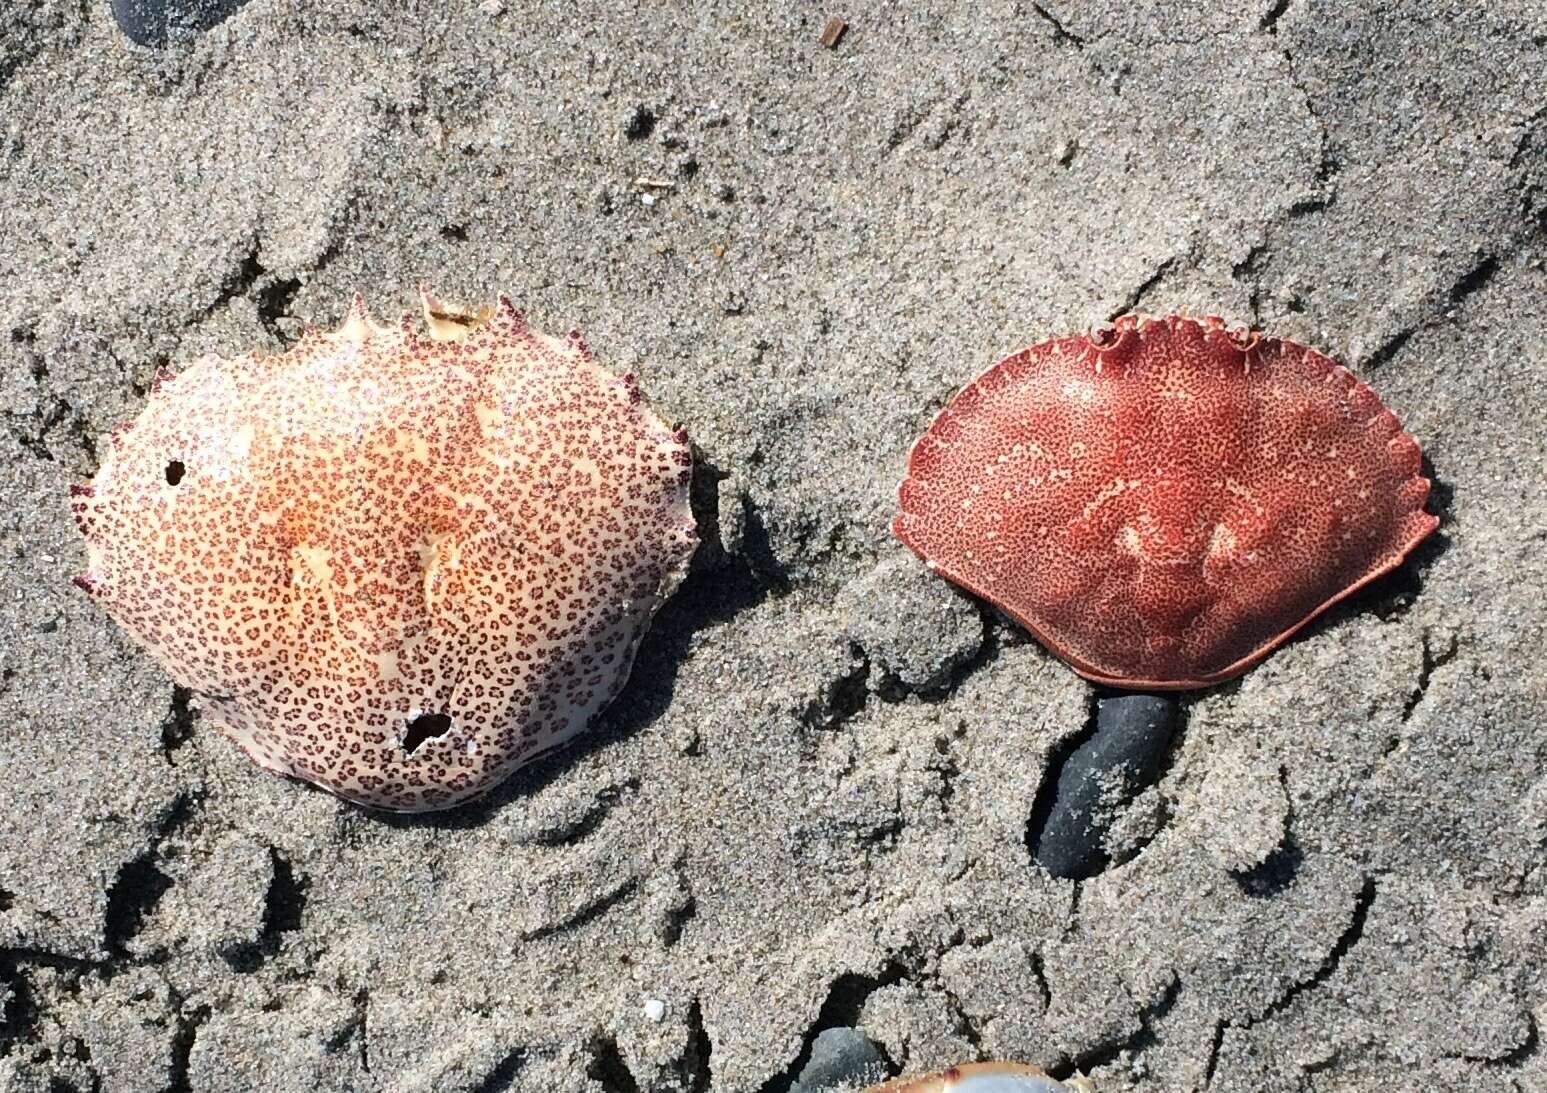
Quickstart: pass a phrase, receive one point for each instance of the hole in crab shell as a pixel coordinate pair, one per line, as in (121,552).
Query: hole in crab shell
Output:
(175,471)
(422,728)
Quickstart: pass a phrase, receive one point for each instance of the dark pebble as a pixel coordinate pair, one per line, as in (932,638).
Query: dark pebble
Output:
(839,1057)
(1133,734)
(154,22)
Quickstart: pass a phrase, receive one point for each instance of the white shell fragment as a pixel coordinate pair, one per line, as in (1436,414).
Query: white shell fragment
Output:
(986,1078)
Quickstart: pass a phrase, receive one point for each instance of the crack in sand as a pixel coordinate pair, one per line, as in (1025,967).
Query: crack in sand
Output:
(185,1035)
(1060,35)
(1324,971)
(139,885)
(1450,301)
(1432,661)
(1101,1055)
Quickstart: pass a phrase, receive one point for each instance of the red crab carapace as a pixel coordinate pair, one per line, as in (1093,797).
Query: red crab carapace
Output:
(1164,501)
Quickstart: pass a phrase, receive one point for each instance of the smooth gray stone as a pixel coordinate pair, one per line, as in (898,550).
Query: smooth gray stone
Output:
(839,1056)
(155,22)
(1123,756)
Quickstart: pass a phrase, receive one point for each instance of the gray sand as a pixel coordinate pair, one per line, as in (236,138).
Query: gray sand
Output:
(809,808)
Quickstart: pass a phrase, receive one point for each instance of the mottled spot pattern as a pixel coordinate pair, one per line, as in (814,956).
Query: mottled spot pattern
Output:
(380,529)
(1165,501)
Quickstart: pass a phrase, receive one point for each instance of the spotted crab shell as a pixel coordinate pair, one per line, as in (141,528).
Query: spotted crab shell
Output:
(1166,501)
(398,565)
(985,1078)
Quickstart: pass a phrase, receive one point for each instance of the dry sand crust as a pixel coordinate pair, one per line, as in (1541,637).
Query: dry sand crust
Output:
(810,806)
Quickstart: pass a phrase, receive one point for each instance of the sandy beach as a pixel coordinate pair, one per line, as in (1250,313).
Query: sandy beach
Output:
(810,807)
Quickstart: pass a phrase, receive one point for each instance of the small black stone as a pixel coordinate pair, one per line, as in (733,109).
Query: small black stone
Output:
(154,22)
(1127,751)
(839,1057)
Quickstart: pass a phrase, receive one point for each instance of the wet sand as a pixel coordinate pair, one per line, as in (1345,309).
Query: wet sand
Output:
(809,809)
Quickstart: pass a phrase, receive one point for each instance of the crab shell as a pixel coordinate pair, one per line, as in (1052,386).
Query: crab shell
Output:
(395,565)
(1164,502)
(986,1078)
